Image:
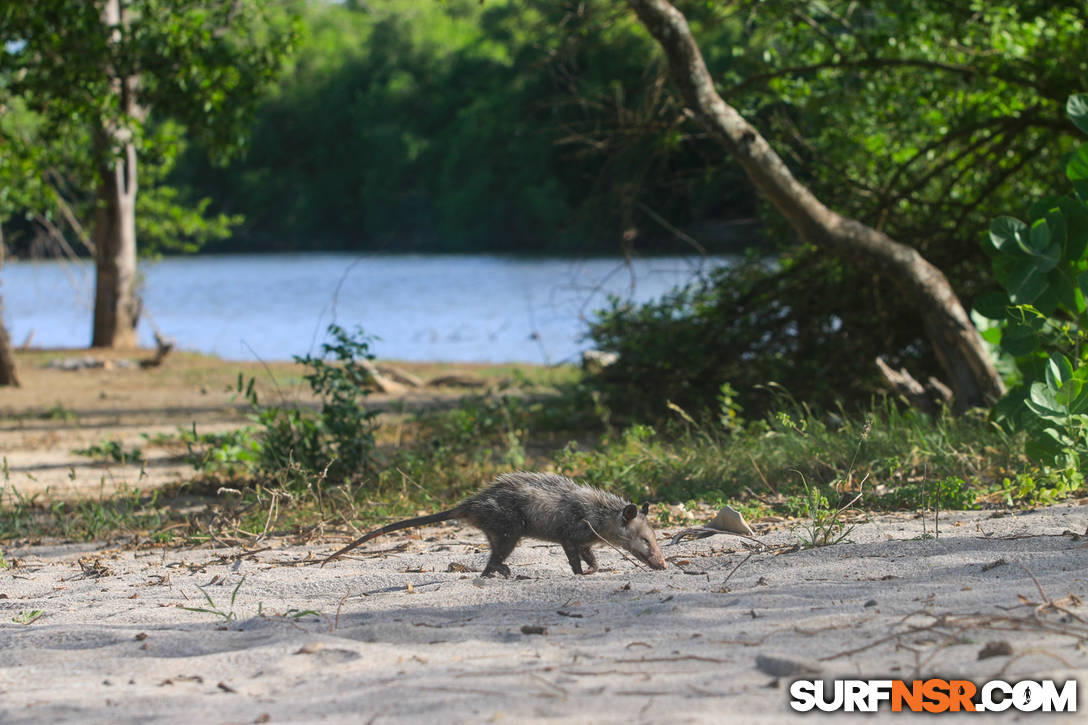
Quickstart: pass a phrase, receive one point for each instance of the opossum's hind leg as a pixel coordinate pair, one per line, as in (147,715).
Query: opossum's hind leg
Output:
(501,547)
(574,556)
(586,552)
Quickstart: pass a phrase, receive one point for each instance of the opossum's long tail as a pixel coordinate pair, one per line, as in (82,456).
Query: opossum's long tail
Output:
(395,526)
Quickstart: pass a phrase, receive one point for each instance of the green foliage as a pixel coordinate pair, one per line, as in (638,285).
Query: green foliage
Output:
(127,510)
(170,220)
(1040,320)
(26,616)
(232,454)
(111,450)
(891,457)
(915,117)
(477,430)
(199,66)
(1041,488)
(742,326)
(950,492)
(337,440)
(463,125)
(294,443)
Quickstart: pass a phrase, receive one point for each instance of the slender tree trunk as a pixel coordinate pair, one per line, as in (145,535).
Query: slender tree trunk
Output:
(957,344)
(116,307)
(7,357)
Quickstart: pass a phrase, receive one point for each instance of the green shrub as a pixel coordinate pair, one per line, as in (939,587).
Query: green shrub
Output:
(807,324)
(336,441)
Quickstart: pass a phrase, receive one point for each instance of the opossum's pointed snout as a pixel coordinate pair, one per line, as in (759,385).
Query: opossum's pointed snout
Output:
(653,558)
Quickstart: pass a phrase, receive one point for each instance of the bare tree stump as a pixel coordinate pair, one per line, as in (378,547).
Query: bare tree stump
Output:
(163,346)
(928,398)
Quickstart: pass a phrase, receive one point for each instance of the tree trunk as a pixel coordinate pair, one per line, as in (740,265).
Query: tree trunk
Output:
(116,307)
(956,342)
(7,357)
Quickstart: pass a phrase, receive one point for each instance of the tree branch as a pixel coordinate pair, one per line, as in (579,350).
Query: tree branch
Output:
(955,339)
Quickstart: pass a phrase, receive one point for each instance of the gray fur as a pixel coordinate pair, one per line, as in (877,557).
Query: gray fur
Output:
(549,507)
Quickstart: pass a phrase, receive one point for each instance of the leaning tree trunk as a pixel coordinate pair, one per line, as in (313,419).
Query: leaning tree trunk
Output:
(955,340)
(116,307)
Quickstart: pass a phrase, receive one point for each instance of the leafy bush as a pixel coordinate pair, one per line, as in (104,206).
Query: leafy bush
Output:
(336,441)
(747,326)
(1041,317)
(233,453)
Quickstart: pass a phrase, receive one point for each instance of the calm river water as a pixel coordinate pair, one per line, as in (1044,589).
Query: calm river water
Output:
(483,308)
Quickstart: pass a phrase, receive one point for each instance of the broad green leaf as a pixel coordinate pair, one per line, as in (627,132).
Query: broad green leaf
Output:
(992,335)
(1004,265)
(1040,208)
(1077,170)
(1042,446)
(1075,213)
(1077,108)
(1039,238)
(1050,412)
(1060,291)
(1079,404)
(1027,282)
(1008,235)
(993,305)
(1082,283)
(1043,401)
(1055,222)
(1058,371)
(1060,439)
(1018,339)
(1070,393)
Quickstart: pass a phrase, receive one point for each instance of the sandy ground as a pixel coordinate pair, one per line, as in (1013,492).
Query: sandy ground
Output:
(397,635)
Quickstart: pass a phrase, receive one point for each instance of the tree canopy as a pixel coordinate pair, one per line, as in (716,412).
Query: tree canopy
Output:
(198,68)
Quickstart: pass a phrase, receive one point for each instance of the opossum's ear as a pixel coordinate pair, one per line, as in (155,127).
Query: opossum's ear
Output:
(645,509)
(630,511)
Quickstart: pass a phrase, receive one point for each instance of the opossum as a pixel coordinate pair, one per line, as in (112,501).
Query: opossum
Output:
(549,507)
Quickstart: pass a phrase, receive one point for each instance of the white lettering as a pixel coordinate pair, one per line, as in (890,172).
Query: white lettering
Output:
(987,696)
(1064,701)
(803,693)
(880,691)
(1027,696)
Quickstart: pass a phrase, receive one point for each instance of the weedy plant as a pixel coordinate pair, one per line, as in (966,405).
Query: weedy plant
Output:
(825,523)
(27,616)
(111,450)
(212,608)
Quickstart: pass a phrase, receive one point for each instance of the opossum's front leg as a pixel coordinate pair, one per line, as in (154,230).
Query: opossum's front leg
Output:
(589,558)
(493,568)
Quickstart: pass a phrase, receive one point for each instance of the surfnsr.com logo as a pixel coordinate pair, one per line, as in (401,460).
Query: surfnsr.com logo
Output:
(933,695)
